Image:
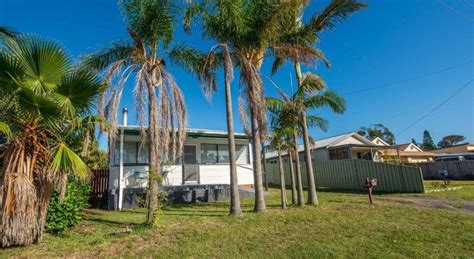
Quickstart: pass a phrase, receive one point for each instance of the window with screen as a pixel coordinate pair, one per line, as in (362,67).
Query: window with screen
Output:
(209,154)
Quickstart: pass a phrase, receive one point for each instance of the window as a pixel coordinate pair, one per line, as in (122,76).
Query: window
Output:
(209,154)
(143,153)
(223,153)
(219,153)
(133,153)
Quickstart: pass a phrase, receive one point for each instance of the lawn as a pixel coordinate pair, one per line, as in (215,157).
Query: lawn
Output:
(344,225)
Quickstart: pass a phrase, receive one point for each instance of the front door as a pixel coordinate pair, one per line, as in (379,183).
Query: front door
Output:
(190,166)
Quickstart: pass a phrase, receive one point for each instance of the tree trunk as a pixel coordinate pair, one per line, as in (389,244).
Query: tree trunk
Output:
(235,209)
(154,169)
(282,180)
(44,187)
(299,181)
(257,163)
(294,198)
(312,196)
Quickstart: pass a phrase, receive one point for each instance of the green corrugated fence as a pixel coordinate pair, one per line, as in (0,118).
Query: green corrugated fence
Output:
(351,175)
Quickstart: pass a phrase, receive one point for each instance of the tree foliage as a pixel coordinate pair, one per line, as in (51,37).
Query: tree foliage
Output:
(428,143)
(450,140)
(378,130)
(41,94)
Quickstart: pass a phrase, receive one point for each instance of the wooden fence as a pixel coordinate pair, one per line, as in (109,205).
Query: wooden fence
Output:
(99,188)
(351,175)
(459,170)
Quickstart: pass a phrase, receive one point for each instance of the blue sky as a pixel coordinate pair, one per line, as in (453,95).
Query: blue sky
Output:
(415,53)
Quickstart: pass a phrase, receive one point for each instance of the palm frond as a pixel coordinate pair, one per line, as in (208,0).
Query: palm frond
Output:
(104,58)
(337,11)
(314,121)
(77,92)
(65,160)
(311,83)
(43,62)
(328,99)
(5,129)
(151,20)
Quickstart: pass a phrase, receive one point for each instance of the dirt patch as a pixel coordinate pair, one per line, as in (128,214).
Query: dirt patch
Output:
(436,203)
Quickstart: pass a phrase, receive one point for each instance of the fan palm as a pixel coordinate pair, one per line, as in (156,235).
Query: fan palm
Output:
(305,35)
(249,29)
(41,94)
(150,26)
(286,113)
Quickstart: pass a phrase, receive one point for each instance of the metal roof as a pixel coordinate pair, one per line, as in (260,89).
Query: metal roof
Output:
(191,133)
(327,143)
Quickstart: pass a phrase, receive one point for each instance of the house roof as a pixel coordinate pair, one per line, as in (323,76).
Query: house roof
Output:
(190,132)
(330,142)
(377,140)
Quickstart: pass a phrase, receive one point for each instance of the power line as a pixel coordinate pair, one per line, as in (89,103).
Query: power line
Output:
(436,108)
(409,79)
(456,11)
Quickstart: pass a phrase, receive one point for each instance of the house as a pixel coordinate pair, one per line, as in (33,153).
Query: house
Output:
(461,148)
(346,146)
(404,153)
(201,172)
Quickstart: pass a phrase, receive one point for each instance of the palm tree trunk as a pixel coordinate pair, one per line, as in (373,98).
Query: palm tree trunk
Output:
(257,163)
(18,219)
(44,187)
(282,180)
(294,199)
(235,209)
(299,181)
(154,169)
(312,196)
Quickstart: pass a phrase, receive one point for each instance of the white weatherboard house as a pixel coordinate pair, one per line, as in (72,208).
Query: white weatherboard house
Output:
(204,166)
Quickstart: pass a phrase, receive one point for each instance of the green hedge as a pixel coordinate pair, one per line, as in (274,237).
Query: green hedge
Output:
(67,214)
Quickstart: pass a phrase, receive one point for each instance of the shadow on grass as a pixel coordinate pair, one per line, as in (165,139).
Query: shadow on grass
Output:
(116,223)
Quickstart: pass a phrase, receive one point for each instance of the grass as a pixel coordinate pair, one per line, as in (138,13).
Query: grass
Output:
(464,190)
(344,225)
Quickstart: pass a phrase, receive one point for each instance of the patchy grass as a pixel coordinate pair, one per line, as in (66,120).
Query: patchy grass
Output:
(464,190)
(344,225)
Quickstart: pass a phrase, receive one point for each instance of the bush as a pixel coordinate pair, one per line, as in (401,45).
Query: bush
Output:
(67,214)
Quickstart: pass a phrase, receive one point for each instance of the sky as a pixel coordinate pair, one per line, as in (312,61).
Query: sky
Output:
(397,62)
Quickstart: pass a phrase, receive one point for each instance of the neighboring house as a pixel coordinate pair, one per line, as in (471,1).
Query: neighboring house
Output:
(203,166)
(461,148)
(404,153)
(346,146)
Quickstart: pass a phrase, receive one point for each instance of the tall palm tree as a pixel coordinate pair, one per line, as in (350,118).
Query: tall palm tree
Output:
(306,35)
(219,54)
(248,29)
(41,93)
(150,24)
(310,95)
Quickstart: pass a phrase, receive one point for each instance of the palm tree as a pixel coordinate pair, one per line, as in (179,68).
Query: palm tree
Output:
(248,29)
(41,94)
(150,26)
(311,95)
(306,35)
(207,80)
(278,142)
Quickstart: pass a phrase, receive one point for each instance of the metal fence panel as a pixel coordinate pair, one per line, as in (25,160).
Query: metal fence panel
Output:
(351,174)
(458,170)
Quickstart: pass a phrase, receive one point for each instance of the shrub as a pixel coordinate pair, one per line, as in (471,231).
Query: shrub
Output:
(67,214)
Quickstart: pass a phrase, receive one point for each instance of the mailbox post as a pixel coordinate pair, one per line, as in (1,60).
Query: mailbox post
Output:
(370,184)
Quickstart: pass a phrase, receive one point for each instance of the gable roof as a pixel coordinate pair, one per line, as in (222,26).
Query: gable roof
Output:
(378,140)
(407,147)
(334,141)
